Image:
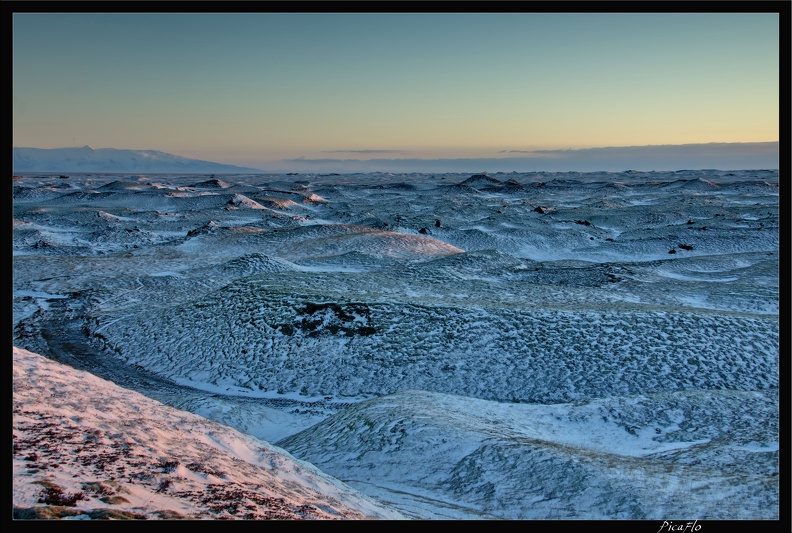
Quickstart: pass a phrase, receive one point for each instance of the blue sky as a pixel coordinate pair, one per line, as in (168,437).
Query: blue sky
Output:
(255,89)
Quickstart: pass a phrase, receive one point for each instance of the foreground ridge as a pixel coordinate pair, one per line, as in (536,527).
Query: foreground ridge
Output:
(85,448)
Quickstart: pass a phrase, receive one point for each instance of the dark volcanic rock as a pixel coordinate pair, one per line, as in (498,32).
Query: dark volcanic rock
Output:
(314,319)
(212,184)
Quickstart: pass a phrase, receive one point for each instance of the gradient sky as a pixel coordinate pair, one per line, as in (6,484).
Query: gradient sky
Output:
(250,88)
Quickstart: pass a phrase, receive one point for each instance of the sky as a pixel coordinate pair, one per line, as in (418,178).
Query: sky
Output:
(261,89)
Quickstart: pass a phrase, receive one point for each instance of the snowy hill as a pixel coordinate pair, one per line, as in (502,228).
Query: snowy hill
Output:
(693,453)
(85,448)
(87,159)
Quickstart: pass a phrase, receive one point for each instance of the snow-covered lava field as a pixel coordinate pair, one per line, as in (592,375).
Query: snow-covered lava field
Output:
(455,346)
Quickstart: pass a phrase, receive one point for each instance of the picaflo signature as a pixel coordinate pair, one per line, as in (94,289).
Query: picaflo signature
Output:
(679,527)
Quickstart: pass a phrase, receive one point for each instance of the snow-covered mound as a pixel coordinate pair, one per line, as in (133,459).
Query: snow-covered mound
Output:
(712,455)
(38,194)
(213,183)
(243,202)
(277,203)
(346,334)
(85,448)
(331,240)
(479,181)
(691,185)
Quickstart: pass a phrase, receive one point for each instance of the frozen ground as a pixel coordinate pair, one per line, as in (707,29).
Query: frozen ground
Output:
(89,449)
(604,345)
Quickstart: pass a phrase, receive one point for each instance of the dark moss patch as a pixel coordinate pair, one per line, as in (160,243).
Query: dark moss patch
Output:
(57,512)
(54,495)
(114,500)
(114,514)
(49,512)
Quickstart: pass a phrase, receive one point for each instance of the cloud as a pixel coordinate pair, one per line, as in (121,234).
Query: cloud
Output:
(721,156)
(364,152)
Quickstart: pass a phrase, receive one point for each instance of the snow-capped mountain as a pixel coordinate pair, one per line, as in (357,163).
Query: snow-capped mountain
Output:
(87,159)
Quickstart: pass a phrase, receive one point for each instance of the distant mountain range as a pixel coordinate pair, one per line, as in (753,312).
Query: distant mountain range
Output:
(722,156)
(87,159)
